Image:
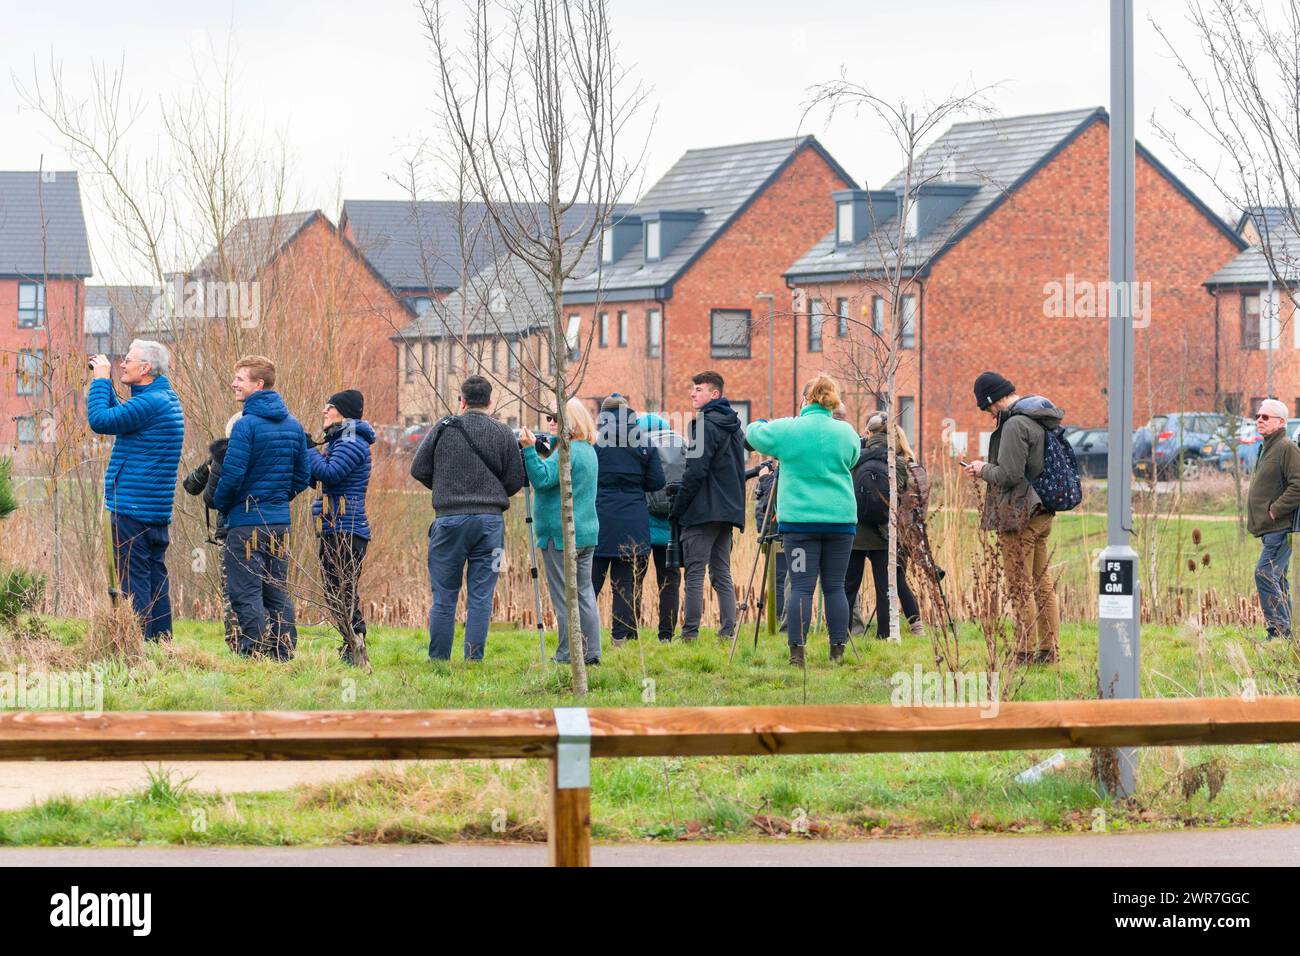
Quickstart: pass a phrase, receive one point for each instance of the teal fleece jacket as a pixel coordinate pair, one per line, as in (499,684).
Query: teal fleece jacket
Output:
(544,475)
(814,490)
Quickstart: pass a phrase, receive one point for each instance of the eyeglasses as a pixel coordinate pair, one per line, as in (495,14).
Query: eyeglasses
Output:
(551,419)
(1264,418)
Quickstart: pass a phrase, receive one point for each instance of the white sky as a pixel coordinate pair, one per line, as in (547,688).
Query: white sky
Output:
(347,84)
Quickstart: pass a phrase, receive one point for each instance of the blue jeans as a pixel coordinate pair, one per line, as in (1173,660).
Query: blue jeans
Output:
(1271,581)
(810,556)
(139,550)
(466,547)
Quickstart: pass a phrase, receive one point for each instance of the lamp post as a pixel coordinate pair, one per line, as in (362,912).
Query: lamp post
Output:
(771,351)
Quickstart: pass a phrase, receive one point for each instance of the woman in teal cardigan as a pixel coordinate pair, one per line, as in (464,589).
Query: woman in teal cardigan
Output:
(544,476)
(816,511)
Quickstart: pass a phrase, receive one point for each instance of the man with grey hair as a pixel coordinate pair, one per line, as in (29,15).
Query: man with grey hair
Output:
(1270,505)
(140,481)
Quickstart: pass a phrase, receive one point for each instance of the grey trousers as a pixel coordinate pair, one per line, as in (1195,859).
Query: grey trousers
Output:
(708,546)
(589,617)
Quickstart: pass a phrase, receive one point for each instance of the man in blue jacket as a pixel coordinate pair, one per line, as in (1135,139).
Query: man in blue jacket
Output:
(344,475)
(265,467)
(140,482)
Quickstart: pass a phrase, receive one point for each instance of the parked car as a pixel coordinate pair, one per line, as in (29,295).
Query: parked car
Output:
(1247,442)
(1178,445)
(1091,448)
(411,437)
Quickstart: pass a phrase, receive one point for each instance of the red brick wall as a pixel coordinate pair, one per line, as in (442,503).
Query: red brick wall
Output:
(1244,372)
(64,312)
(789,216)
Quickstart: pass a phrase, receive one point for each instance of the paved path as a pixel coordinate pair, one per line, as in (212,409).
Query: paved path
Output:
(1273,846)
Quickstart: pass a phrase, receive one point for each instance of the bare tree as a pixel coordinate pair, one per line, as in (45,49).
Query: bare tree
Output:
(534,94)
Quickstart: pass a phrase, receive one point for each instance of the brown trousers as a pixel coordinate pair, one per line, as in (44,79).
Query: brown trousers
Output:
(1031,590)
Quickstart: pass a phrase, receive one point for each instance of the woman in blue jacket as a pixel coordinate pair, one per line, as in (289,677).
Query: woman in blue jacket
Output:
(629,467)
(343,472)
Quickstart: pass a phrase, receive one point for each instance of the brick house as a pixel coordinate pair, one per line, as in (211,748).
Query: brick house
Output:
(1007,253)
(676,289)
(44,263)
(293,286)
(1254,315)
(496,324)
(113,315)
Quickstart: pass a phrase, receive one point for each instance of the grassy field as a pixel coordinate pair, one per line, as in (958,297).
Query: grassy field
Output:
(664,799)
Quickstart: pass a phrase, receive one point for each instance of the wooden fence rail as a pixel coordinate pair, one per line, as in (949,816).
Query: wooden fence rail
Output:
(568,737)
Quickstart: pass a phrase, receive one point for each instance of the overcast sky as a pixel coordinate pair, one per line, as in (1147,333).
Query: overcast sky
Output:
(347,85)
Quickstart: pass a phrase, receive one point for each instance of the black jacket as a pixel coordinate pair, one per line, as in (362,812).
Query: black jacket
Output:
(629,467)
(203,481)
(714,486)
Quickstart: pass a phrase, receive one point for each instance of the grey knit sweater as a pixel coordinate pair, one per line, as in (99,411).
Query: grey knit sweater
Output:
(461,483)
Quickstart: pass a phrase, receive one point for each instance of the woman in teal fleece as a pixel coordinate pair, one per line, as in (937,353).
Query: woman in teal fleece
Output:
(544,476)
(817,513)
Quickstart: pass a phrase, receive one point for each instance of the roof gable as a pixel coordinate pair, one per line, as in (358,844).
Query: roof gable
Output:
(31,247)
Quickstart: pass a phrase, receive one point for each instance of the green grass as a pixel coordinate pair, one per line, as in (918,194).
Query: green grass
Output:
(664,799)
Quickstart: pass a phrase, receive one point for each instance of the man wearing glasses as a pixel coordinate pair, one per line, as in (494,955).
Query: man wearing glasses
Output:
(140,480)
(1273,498)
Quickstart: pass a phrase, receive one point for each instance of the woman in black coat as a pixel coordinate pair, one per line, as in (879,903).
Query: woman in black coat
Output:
(629,467)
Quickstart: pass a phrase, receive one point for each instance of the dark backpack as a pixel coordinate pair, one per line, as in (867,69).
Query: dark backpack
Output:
(1057,485)
(871,488)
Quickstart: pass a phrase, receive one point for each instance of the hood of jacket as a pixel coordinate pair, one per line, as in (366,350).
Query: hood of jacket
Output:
(159,384)
(720,414)
(266,404)
(874,448)
(618,426)
(360,428)
(1038,408)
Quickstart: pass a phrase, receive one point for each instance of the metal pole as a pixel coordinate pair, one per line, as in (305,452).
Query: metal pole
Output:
(1119,603)
(771,352)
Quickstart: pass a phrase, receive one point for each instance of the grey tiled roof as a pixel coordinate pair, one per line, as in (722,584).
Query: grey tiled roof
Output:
(1268,219)
(128,310)
(61,248)
(504,297)
(1250,266)
(251,244)
(719,182)
(993,155)
(417,246)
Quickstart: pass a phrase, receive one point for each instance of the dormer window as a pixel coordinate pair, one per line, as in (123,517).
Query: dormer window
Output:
(652,244)
(844,224)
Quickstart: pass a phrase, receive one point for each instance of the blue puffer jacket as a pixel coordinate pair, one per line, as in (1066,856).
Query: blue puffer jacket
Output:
(344,475)
(265,466)
(141,478)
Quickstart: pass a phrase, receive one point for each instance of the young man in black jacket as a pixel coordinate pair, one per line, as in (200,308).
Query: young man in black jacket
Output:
(471,463)
(710,503)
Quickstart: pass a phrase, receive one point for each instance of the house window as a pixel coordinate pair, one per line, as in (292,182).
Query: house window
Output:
(742,412)
(908,336)
(842,310)
(729,333)
(1232,403)
(496,351)
(26,430)
(409,362)
(424,356)
(31,305)
(512,362)
(604,329)
(421,304)
(652,241)
(907,417)
(844,224)
(815,319)
(654,323)
(878,316)
(29,371)
(572,335)
(607,245)
(1250,321)
(622,329)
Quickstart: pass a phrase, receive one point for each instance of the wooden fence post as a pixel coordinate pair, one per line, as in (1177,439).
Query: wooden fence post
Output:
(568,833)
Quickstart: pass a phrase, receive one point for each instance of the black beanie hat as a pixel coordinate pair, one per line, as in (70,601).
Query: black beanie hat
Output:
(989,387)
(349,402)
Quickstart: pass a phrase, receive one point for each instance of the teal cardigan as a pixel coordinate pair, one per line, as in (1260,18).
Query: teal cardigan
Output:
(544,476)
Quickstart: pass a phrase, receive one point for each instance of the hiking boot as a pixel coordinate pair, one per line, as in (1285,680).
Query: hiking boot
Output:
(689,638)
(1046,655)
(618,642)
(837,652)
(796,655)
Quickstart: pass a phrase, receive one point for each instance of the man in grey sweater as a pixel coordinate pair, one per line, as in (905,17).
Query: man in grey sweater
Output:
(471,462)
(1012,509)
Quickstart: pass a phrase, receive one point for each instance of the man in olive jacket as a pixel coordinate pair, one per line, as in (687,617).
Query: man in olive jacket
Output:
(1274,496)
(1013,510)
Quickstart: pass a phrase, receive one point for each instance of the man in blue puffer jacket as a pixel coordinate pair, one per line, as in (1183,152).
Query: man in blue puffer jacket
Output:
(344,474)
(140,482)
(265,467)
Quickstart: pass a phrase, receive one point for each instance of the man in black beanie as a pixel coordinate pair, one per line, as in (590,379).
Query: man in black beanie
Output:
(1012,509)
